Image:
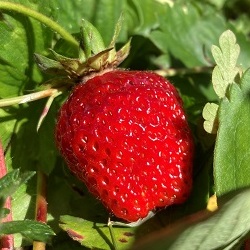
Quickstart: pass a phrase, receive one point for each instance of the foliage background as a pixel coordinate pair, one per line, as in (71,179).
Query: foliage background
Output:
(173,38)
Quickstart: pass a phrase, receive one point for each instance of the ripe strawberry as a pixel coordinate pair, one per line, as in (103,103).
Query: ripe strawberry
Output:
(125,135)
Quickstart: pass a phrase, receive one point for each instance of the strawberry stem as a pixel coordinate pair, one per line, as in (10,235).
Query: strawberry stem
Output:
(41,18)
(6,241)
(30,97)
(111,231)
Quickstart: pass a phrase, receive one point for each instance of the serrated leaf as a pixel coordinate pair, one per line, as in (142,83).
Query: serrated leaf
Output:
(232,152)
(12,181)
(224,229)
(226,59)
(211,118)
(230,49)
(96,235)
(32,230)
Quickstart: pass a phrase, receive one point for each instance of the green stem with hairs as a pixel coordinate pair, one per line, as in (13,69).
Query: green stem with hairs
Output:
(39,17)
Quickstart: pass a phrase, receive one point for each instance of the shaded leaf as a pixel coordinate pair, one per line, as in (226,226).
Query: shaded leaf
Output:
(12,181)
(224,229)
(232,152)
(40,153)
(32,230)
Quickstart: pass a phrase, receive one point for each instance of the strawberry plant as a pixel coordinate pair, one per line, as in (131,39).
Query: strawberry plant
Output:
(124,125)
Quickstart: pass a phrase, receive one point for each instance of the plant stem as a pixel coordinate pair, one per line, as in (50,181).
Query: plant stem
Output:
(6,241)
(41,18)
(41,206)
(46,108)
(29,98)
(111,231)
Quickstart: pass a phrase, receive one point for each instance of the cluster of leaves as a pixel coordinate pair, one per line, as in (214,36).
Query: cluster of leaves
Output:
(175,40)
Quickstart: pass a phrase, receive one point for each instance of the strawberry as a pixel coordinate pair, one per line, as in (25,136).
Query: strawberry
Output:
(123,133)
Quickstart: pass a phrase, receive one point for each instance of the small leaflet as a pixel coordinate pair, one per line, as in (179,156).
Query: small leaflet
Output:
(224,73)
(226,57)
(209,113)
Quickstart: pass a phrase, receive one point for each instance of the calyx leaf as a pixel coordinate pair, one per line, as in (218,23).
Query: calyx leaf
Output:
(93,55)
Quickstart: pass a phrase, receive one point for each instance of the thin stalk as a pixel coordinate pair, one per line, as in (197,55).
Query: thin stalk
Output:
(28,98)
(6,241)
(41,18)
(46,108)
(111,231)
(41,206)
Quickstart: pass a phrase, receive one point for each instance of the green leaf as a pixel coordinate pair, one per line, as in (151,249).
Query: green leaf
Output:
(12,181)
(70,14)
(20,38)
(29,229)
(187,30)
(226,59)
(232,152)
(143,18)
(40,153)
(96,235)
(224,229)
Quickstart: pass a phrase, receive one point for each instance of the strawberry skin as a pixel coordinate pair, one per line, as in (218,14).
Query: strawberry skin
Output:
(125,135)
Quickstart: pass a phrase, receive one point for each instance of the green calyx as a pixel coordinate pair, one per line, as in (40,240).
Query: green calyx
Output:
(93,55)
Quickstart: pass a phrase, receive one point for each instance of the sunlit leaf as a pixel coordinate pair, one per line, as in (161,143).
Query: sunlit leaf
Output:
(226,59)
(96,235)
(32,230)
(232,152)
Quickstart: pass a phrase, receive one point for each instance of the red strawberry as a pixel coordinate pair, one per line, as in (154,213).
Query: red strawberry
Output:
(125,135)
